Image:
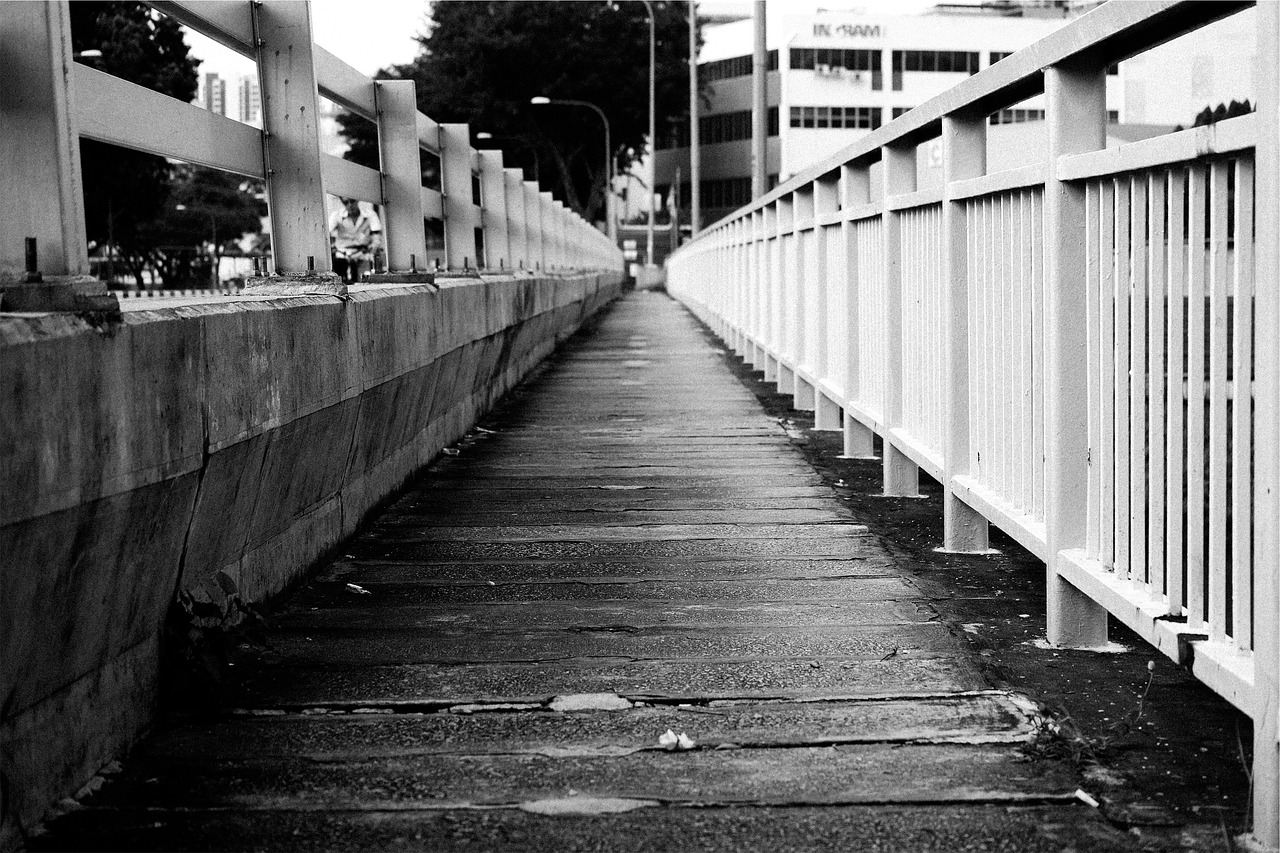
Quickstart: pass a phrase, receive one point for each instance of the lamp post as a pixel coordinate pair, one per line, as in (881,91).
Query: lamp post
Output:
(653,142)
(610,221)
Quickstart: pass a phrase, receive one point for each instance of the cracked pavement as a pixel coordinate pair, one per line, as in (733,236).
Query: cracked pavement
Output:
(630,535)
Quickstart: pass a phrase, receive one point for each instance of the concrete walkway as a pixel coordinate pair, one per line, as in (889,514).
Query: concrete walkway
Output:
(629,547)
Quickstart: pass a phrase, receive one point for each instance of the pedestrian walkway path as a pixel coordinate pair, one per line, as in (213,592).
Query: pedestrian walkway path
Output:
(629,546)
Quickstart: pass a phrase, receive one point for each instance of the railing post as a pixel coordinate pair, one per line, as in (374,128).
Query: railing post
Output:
(855,191)
(401,175)
(826,200)
(1266,467)
(517,233)
(459,210)
(533,227)
(1076,98)
(802,323)
(898,163)
(40,179)
(964,155)
(550,232)
(771,289)
(784,297)
(493,192)
(291,125)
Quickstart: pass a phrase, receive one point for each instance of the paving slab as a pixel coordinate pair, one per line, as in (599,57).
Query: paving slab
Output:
(628,546)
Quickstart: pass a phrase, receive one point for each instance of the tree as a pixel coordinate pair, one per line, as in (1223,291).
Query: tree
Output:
(481,63)
(205,207)
(125,191)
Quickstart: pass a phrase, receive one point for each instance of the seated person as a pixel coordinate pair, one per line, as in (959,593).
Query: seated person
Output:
(354,237)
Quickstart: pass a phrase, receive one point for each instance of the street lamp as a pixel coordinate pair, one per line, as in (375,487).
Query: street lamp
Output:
(653,142)
(610,222)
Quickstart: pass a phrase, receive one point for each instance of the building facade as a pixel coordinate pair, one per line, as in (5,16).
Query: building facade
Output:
(833,77)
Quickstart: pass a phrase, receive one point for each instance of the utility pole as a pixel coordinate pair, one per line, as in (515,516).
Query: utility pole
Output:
(695,153)
(759,107)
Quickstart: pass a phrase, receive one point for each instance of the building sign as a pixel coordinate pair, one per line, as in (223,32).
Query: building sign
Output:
(848,31)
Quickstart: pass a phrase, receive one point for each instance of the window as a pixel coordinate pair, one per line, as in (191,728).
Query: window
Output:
(1016,116)
(822,58)
(899,111)
(997,55)
(940,61)
(716,193)
(738,66)
(836,117)
(724,127)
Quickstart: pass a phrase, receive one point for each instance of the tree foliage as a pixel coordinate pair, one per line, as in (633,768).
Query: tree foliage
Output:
(482,62)
(124,191)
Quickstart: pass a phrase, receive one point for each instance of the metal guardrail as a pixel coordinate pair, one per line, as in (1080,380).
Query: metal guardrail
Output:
(1021,337)
(512,225)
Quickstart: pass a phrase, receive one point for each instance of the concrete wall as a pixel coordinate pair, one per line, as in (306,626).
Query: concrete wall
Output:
(209,454)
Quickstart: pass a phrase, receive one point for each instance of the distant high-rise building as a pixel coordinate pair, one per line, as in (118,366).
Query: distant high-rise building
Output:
(250,101)
(215,94)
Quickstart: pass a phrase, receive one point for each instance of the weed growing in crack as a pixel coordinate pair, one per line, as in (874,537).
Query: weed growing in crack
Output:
(1058,737)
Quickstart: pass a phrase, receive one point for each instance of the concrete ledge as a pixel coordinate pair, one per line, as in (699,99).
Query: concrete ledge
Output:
(209,454)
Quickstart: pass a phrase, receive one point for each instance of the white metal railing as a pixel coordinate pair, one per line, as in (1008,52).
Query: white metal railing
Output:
(1083,351)
(512,225)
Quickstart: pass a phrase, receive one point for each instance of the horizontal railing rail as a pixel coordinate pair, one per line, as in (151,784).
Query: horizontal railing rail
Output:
(509,225)
(1083,351)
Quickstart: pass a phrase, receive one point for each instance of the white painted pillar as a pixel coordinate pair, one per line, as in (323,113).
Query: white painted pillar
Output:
(964,155)
(406,242)
(1076,98)
(460,215)
(1266,469)
(898,164)
(290,119)
(855,191)
(517,233)
(493,195)
(533,227)
(826,200)
(39,144)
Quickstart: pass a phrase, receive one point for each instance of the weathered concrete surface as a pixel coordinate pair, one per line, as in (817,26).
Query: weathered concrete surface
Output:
(614,530)
(206,455)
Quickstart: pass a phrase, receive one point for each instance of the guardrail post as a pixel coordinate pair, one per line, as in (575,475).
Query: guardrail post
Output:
(964,155)
(493,193)
(801,326)
(826,200)
(755,352)
(1266,467)
(783,302)
(459,209)
(517,233)
(898,163)
(1076,98)
(533,226)
(550,232)
(40,179)
(291,125)
(855,191)
(401,175)
(770,290)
